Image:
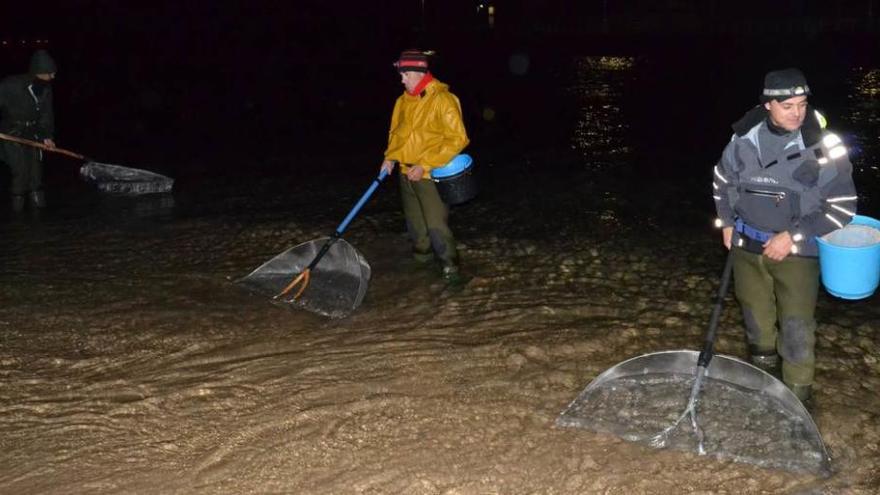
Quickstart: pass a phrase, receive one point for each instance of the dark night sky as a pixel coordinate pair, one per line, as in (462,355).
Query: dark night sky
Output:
(191,65)
(243,71)
(275,75)
(229,37)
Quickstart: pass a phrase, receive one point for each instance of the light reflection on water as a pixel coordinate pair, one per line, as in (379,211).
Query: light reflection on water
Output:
(600,131)
(605,139)
(862,117)
(867,81)
(611,63)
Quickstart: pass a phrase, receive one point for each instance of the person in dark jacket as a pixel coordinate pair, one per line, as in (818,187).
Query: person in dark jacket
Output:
(26,112)
(782,181)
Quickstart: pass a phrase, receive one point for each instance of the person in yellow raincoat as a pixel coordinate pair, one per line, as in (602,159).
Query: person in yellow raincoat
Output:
(426,132)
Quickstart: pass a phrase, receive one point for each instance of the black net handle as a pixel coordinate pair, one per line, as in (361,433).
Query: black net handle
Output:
(709,346)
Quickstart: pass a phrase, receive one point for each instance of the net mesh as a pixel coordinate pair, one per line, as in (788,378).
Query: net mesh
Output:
(337,284)
(740,419)
(114,179)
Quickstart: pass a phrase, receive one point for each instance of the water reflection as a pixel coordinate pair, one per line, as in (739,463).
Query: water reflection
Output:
(862,116)
(599,133)
(611,63)
(145,206)
(867,81)
(614,133)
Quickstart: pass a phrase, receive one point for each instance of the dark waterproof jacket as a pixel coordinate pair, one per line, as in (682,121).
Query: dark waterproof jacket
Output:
(807,190)
(22,112)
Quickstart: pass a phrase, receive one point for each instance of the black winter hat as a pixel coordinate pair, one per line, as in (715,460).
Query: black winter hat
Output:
(783,84)
(42,63)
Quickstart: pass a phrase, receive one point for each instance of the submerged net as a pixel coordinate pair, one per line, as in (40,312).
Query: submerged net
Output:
(337,284)
(114,179)
(742,423)
(854,235)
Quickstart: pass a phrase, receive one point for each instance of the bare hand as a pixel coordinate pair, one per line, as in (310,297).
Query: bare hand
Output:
(779,246)
(388,166)
(727,236)
(48,142)
(415,173)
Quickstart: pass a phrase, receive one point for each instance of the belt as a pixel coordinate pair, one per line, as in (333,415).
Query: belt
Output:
(752,233)
(751,245)
(753,239)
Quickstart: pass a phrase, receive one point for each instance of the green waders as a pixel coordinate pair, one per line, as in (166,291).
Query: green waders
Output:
(780,293)
(426,220)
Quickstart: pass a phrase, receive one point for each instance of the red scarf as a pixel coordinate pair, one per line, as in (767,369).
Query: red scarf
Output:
(422,84)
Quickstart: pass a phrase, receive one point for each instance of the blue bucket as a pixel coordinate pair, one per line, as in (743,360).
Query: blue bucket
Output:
(455,181)
(850,271)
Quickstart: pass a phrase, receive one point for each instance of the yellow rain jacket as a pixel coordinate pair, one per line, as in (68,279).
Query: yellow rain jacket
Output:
(426,129)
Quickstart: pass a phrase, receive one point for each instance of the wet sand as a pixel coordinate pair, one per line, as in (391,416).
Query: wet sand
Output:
(132,363)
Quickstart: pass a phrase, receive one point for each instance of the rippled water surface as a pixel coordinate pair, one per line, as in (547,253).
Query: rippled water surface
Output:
(130,361)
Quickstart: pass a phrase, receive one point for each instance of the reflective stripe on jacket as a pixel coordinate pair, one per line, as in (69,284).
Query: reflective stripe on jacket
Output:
(803,191)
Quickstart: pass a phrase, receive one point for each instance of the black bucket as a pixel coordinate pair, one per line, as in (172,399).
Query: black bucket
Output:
(455,181)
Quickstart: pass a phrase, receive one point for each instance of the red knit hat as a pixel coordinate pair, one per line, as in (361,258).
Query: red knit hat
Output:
(412,60)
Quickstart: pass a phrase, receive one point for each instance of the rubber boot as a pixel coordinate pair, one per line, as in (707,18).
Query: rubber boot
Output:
(804,393)
(455,279)
(419,262)
(423,258)
(17,203)
(768,361)
(451,274)
(38,199)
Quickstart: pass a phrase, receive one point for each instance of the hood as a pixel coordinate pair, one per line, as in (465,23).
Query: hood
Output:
(42,63)
(811,130)
(436,86)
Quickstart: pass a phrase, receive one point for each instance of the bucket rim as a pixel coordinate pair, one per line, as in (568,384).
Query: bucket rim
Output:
(856,220)
(447,178)
(458,164)
(819,240)
(863,218)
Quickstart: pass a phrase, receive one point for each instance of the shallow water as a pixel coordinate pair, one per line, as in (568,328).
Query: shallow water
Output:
(130,361)
(152,372)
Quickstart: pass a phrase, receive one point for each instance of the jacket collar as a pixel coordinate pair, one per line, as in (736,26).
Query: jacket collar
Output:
(422,85)
(811,130)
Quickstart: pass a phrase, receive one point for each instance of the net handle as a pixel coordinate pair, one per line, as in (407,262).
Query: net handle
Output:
(708,348)
(42,146)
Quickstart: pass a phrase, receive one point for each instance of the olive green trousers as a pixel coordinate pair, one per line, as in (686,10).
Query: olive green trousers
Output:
(427,221)
(778,301)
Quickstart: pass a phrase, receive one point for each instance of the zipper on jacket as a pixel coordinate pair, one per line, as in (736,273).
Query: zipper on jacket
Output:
(777,195)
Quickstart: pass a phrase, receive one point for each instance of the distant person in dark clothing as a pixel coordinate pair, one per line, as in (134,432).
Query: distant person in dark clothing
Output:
(426,132)
(26,112)
(782,181)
